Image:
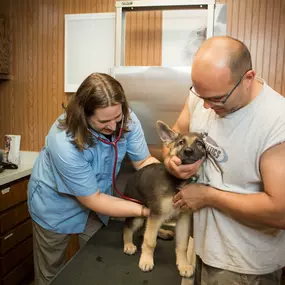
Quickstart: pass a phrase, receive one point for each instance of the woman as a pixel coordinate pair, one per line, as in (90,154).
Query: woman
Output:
(72,176)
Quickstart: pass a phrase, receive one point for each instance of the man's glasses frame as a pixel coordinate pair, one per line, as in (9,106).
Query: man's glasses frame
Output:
(222,102)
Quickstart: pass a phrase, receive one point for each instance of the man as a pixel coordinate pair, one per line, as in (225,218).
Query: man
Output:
(239,202)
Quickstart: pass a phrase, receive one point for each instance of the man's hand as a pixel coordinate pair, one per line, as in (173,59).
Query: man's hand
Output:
(175,167)
(193,196)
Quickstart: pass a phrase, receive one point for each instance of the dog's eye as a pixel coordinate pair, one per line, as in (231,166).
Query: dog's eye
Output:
(199,144)
(181,142)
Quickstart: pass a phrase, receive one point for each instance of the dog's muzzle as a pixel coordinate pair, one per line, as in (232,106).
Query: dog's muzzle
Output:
(191,155)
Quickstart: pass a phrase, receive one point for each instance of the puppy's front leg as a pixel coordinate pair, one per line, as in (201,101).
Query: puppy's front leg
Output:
(149,243)
(131,226)
(182,237)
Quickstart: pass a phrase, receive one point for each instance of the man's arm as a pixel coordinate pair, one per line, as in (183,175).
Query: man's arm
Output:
(257,210)
(173,163)
(181,125)
(267,208)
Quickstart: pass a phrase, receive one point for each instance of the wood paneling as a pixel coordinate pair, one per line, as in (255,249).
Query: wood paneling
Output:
(31,101)
(143,38)
(4,47)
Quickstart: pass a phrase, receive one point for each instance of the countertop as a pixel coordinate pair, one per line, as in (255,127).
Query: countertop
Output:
(103,262)
(27,159)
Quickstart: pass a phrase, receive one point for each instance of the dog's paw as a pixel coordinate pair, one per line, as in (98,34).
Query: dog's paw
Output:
(146,263)
(165,234)
(186,270)
(130,248)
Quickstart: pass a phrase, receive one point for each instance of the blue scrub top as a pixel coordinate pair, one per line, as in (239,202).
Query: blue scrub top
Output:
(62,172)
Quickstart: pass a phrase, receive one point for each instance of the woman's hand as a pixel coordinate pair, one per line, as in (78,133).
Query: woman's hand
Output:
(145,212)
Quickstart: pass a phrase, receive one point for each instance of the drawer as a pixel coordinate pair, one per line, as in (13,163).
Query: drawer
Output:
(23,271)
(13,216)
(13,193)
(15,256)
(15,236)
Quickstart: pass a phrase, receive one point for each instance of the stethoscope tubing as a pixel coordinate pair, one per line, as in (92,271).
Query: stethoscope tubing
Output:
(114,144)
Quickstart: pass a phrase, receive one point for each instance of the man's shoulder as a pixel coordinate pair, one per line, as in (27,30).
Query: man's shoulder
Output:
(271,106)
(272,97)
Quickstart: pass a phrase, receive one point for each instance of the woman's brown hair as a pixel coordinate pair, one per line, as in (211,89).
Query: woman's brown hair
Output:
(98,90)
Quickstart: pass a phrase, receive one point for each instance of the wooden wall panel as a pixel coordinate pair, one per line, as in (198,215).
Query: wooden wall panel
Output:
(31,101)
(143,38)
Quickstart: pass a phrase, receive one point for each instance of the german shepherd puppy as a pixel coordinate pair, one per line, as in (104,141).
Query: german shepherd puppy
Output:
(155,187)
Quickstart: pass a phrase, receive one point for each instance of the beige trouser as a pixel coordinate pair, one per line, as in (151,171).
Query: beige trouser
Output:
(50,249)
(208,275)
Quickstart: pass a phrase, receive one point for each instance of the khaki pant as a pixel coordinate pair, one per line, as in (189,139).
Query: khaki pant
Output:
(50,249)
(208,275)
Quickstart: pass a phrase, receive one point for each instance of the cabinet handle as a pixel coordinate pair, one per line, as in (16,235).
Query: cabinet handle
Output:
(6,190)
(8,236)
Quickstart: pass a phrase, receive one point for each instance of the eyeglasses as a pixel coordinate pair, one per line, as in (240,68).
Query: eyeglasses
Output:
(216,101)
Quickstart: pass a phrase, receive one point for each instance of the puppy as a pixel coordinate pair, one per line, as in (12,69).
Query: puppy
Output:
(155,187)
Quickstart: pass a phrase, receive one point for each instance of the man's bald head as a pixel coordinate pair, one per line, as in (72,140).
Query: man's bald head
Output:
(219,53)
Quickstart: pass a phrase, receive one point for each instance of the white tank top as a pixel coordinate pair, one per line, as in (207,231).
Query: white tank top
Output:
(237,142)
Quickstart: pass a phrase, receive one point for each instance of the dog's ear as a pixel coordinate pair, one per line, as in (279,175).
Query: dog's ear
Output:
(167,135)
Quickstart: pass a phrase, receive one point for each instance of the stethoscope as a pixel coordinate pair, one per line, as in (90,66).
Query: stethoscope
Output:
(114,144)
